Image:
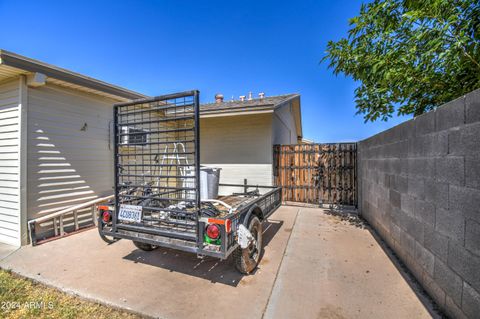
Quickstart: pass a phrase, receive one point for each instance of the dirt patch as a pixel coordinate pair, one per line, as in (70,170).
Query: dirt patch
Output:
(347,217)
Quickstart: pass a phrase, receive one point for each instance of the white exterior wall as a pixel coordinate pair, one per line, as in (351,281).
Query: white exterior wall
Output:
(70,159)
(283,126)
(10,119)
(240,145)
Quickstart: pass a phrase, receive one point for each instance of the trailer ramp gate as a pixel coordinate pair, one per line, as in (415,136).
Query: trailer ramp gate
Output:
(157,168)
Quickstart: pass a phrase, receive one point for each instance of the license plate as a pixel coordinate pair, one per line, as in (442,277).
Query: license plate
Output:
(130,213)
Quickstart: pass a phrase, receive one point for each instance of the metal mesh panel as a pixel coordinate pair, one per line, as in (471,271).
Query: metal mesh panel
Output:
(157,160)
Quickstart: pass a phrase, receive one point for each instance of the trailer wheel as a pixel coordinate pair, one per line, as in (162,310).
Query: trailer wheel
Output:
(144,246)
(246,260)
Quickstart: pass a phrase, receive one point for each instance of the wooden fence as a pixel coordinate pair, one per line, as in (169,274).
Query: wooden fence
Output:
(317,173)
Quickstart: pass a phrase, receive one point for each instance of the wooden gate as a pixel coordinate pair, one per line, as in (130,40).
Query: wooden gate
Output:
(317,173)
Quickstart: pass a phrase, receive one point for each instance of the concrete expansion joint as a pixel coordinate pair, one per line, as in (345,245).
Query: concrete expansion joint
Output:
(281,262)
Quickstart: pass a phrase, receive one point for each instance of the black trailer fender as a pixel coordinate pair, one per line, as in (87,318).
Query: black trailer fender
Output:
(254,210)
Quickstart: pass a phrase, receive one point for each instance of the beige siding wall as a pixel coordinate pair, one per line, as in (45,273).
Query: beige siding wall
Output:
(283,126)
(10,162)
(70,159)
(240,145)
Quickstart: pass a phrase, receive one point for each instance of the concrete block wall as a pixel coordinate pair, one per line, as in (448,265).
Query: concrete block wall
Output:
(419,187)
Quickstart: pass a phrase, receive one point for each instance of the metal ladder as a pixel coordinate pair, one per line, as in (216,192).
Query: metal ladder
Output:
(168,160)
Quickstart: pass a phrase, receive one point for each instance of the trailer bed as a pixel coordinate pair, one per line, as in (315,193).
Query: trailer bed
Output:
(241,204)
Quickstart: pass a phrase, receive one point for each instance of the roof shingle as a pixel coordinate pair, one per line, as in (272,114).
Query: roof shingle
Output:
(270,102)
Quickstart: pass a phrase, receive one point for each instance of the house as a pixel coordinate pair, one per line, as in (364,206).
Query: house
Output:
(56,139)
(238,136)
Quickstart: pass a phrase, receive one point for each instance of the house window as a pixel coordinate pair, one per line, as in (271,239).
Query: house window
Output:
(131,136)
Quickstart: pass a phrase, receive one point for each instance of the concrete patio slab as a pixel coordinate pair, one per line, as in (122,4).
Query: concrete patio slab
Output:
(315,266)
(163,283)
(334,268)
(6,250)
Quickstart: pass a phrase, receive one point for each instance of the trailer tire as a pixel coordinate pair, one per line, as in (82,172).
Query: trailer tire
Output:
(246,260)
(144,246)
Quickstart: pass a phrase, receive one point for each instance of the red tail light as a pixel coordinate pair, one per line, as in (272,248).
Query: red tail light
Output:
(213,231)
(228,225)
(106,216)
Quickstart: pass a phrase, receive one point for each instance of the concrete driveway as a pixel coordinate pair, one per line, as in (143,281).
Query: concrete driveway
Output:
(315,265)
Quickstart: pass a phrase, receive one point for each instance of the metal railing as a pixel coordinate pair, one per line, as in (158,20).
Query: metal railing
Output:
(57,219)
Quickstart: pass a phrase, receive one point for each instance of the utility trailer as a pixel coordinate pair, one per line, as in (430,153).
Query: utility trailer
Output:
(158,200)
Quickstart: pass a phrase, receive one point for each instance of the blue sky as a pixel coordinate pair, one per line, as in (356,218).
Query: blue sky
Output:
(231,47)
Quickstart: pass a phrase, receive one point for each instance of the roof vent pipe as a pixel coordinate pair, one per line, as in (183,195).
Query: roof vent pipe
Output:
(261,95)
(242,98)
(218,98)
(250,96)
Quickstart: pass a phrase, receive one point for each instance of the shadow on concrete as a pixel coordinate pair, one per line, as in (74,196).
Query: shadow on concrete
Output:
(208,268)
(422,295)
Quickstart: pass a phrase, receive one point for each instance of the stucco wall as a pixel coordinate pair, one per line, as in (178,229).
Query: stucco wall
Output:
(283,125)
(420,189)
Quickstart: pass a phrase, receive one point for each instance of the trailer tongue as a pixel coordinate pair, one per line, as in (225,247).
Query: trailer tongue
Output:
(157,187)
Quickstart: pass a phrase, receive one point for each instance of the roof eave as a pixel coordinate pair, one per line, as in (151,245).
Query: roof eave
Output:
(297,112)
(238,113)
(290,98)
(31,65)
(238,109)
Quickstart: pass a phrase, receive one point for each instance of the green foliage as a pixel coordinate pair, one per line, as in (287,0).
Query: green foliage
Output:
(409,56)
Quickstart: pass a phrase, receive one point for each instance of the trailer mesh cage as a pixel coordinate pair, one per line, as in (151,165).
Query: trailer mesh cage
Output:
(157,164)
